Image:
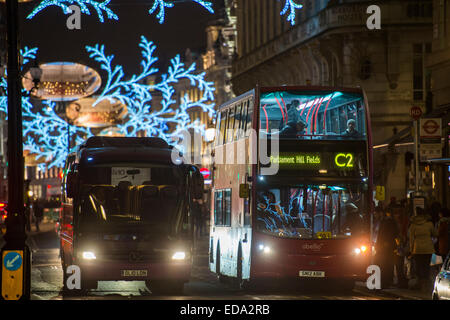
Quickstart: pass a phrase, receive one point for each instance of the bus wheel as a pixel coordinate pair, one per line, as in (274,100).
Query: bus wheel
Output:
(166,287)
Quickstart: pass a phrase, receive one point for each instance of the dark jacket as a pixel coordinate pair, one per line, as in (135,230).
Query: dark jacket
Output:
(443,236)
(387,233)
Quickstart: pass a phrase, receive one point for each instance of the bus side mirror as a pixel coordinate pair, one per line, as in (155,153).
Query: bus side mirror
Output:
(71,184)
(197,183)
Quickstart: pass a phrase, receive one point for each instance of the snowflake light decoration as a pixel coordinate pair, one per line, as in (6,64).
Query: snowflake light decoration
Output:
(158,5)
(137,95)
(158,8)
(83,4)
(44,131)
(292,6)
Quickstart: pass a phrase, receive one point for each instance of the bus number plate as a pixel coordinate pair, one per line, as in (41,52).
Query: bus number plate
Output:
(134,273)
(312,274)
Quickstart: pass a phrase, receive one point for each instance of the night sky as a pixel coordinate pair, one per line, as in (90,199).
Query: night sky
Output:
(184,27)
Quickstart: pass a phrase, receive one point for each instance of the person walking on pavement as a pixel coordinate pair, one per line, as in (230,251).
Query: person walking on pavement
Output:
(385,247)
(197,217)
(401,247)
(443,230)
(421,232)
(38,213)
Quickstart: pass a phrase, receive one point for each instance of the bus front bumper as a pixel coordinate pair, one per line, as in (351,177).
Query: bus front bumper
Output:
(344,267)
(118,271)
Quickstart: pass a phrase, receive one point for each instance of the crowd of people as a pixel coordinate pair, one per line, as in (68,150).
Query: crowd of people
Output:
(408,246)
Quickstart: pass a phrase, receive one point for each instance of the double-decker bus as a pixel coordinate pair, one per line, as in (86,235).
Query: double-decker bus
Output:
(311,219)
(125,213)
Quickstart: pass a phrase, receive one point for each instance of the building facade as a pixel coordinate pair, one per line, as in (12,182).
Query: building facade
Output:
(438,63)
(331,45)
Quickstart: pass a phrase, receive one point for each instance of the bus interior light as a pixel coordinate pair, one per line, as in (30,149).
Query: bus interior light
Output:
(261,178)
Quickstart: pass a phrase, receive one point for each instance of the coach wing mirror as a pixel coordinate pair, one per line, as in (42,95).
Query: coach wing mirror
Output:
(71,183)
(197,183)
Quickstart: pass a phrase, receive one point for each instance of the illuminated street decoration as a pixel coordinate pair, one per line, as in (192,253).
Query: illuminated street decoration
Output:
(158,8)
(162,4)
(292,6)
(83,4)
(100,7)
(45,133)
(142,117)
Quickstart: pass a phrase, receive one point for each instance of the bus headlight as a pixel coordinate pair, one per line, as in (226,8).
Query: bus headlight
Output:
(89,255)
(360,250)
(179,255)
(265,249)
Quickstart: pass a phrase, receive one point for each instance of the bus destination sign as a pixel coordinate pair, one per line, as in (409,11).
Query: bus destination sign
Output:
(315,161)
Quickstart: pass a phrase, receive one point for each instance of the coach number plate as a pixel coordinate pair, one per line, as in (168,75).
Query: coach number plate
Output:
(134,273)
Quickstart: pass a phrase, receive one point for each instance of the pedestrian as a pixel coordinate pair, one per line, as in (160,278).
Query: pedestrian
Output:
(384,247)
(197,217)
(204,219)
(443,230)
(38,213)
(421,232)
(401,249)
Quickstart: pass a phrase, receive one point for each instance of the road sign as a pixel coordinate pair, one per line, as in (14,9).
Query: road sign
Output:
(430,138)
(205,172)
(380,193)
(415,112)
(431,128)
(12,274)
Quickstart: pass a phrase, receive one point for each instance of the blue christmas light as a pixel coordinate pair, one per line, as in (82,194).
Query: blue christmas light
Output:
(137,96)
(292,6)
(159,5)
(45,133)
(83,4)
(162,4)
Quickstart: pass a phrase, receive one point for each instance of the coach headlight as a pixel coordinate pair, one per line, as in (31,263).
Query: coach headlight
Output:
(179,255)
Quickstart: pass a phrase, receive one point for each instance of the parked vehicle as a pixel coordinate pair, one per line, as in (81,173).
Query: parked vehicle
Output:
(441,289)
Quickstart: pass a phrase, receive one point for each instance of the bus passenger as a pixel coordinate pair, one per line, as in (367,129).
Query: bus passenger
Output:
(353,220)
(292,129)
(351,129)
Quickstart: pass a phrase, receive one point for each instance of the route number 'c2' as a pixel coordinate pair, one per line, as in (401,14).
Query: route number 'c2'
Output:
(344,160)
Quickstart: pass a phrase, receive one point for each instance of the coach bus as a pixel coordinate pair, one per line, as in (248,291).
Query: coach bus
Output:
(125,213)
(311,219)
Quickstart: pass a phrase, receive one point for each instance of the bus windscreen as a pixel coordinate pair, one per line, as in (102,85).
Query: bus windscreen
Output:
(313,115)
(306,212)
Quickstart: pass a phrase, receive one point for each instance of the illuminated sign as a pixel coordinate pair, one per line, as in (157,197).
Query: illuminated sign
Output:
(344,160)
(298,159)
(320,162)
